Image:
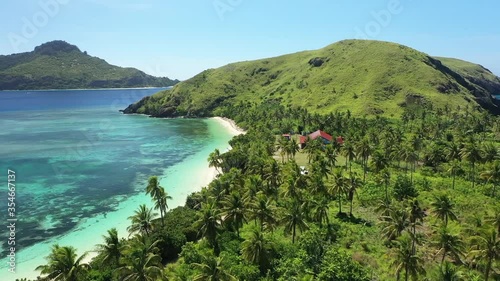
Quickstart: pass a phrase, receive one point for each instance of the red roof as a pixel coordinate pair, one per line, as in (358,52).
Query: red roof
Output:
(340,140)
(302,139)
(322,134)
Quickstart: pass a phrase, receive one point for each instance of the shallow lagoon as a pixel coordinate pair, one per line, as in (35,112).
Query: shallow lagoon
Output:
(81,166)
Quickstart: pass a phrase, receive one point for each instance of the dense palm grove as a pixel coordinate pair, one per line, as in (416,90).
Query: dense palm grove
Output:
(408,199)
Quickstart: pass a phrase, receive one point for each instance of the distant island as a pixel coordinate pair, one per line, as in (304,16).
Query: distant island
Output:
(60,65)
(367,78)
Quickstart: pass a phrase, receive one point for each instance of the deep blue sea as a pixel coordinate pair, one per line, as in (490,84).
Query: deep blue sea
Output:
(81,166)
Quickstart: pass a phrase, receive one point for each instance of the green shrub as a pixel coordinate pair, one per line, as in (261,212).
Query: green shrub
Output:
(404,188)
(339,266)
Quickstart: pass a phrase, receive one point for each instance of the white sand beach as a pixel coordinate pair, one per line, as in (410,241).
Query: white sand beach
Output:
(230,125)
(180,180)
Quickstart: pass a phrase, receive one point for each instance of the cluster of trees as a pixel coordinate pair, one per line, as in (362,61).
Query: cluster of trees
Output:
(421,196)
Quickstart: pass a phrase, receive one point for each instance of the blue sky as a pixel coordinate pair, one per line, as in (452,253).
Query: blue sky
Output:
(181,38)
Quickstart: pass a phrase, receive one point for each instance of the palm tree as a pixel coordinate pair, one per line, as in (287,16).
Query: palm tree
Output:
(443,208)
(448,243)
(291,188)
(256,162)
(63,264)
(142,221)
(379,161)
(434,155)
(454,168)
(364,150)
(405,260)
(413,158)
(153,187)
(253,186)
(161,203)
(448,272)
(331,154)
(416,144)
(233,211)
(292,148)
(409,155)
(490,152)
(353,183)
(281,146)
(216,190)
(384,208)
(320,211)
(394,224)
(395,151)
(385,178)
(272,176)
(339,187)
(212,270)
(492,175)
(494,220)
(417,215)
(209,223)
(317,184)
(294,218)
(470,152)
(313,149)
(263,209)
(256,250)
(488,250)
(111,249)
(320,168)
(349,153)
(214,160)
(141,261)
(159,195)
(453,151)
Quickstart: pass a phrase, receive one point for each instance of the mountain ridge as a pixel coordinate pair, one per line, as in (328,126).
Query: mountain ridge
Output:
(363,76)
(60,65)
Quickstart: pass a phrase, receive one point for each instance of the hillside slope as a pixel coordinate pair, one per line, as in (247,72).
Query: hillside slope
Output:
(475,73)
(365,77)
(59,65)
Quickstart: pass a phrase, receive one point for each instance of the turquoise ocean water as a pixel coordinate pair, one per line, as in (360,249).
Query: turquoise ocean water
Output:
(81,166)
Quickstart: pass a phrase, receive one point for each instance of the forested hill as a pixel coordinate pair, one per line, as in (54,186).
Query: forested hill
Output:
(365,77)
(59,65)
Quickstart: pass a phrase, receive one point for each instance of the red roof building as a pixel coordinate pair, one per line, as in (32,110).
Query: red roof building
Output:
(321,134)
(302,139)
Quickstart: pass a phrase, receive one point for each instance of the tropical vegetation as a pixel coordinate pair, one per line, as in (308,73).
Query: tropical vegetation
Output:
(410,204)
(59,65)
(411,194)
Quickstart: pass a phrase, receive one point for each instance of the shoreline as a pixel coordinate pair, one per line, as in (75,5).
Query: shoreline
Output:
(92,89)
(230,125)
(209,175)
(173,178)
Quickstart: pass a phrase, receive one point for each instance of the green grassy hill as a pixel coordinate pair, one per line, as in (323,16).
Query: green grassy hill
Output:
(474,73)
(59,65)
(366,77)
